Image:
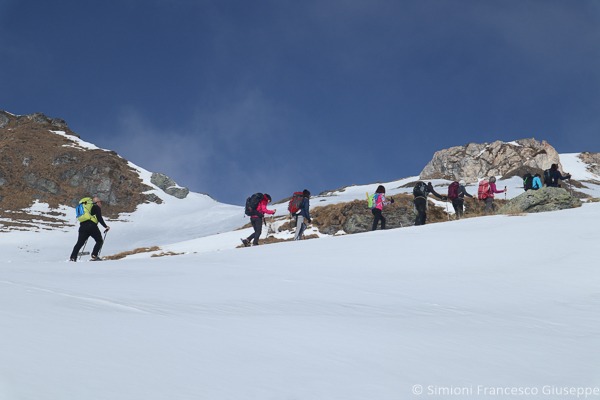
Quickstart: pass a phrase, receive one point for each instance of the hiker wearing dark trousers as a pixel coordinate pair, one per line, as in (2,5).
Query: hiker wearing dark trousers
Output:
(257,220)
(379,201)
(490,207)
(459,202)
(555,176)
(90,228)
(303,215)
(421,192)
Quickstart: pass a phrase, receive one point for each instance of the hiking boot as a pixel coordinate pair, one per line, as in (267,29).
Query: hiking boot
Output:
(96,258)
(73,259)
(246,242)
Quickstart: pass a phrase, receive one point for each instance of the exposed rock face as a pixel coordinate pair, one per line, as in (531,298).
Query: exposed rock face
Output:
(355,217)
(475,161)
(592,160)
(37,164)
(169,186)
(544,199)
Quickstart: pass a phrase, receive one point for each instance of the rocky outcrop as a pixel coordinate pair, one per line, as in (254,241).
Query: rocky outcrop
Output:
(474,160)
(37,164)
(169,186)
(592,160)
(355,217)
(544,199)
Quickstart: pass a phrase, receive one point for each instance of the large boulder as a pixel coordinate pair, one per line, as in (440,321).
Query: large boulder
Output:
(544,199)
(499,158)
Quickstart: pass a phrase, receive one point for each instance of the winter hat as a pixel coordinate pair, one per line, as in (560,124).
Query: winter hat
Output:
(492,179)
(268,196)
(380,189)
(305,193)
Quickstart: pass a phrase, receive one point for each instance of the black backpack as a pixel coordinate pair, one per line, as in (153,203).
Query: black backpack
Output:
(547,177)
(527,181)
(252,204)
(420,189)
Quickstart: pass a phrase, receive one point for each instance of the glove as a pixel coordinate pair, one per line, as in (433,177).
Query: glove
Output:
(391,200)
(309,221)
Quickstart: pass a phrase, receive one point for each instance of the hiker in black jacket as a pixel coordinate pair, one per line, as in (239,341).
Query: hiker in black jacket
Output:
(555,176)
(459,202)
(303,215)
(90,228)
(421,191)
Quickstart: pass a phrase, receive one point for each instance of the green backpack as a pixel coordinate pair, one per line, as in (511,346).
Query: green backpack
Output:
(83,210)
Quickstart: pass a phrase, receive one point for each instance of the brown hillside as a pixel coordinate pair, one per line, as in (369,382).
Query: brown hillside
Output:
(36,164)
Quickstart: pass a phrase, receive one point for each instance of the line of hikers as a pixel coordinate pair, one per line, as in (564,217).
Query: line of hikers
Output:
(456,194)
(89,212)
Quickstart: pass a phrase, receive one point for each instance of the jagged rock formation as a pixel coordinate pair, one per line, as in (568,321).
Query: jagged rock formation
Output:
(475,161)
(38,164)
(169,186)
(544,199)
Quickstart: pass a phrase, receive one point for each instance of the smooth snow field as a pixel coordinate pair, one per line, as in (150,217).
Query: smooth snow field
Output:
(491,307)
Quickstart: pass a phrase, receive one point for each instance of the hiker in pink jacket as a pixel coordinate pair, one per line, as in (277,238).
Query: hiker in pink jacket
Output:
(379,202)
(489,200)
(256,219)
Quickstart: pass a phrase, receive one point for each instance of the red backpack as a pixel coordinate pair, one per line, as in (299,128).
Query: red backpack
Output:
(295,202)
(453,190)
(483,192)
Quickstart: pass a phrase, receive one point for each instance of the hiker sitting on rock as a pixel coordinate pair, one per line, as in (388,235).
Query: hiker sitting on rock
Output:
(555,176)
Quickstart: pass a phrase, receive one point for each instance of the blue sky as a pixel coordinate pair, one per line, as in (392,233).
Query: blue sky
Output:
(233,97)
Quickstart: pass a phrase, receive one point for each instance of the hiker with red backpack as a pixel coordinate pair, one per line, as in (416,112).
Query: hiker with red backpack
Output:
(256,208)
(420,192)
(487,189)
(302,214)
(378,201)
(456,194)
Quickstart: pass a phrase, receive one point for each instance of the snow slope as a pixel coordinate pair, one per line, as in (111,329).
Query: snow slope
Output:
(454,306)
(465,309)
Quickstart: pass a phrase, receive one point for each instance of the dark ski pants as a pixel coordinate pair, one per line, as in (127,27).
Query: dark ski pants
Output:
(458,205)
(421,209)
(87,229)
(490,207)
(377,216)
(257,224)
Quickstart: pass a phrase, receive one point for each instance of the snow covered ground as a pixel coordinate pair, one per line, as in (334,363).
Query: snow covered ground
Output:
(493,307)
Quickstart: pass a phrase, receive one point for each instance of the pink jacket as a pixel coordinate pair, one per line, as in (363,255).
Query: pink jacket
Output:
(262,208)
(381,201)
(493,189)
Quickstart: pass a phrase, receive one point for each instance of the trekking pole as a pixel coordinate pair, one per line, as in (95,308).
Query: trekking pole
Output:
(103,239)
(504,193)
(82,250)
(570,188)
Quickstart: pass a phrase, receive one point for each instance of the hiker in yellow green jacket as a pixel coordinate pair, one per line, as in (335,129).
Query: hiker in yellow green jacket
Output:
(89,214)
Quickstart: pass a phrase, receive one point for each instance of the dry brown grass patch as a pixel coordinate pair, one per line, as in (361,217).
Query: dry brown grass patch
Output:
(139,250)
